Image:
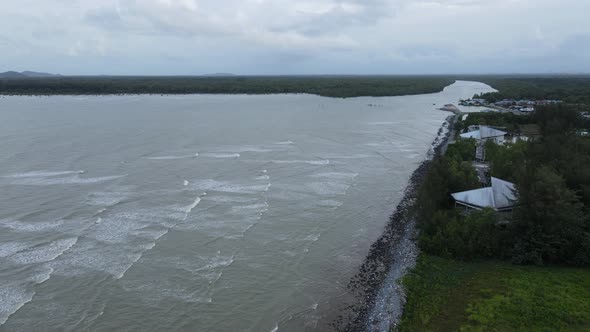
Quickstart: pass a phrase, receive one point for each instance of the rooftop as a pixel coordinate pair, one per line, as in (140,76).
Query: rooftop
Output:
(500,196)
(483,133)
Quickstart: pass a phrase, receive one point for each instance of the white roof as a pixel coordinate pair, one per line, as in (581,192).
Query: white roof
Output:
(499,196)
(483,133)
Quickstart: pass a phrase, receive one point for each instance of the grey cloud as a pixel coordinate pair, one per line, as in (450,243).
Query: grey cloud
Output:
(295,36)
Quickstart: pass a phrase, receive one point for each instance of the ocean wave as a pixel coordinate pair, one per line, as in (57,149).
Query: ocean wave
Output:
(221,155)
(383,123)
(310,162)
(41,174)
(223,186)
(230,199)
(335,175)
(328,188)
(173,157)
(30,226)
(48,181)
(240,149)
(106,198)
(11,248)
(16,294)
(45,253)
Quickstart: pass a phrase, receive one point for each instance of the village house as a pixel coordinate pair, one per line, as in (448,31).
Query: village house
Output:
(501,197)
(484,133)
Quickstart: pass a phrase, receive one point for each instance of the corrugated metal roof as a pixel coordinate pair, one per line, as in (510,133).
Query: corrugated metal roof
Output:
(472,134)
(483,133)
(486,132)
(499,196)
(503,193)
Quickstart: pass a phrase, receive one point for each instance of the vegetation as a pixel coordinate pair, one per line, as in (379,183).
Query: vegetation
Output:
(448,295)
(511,122)
(550,224)
(329,86)
(573,89)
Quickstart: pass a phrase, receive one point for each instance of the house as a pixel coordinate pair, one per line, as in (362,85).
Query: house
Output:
(485,133)
(500,197)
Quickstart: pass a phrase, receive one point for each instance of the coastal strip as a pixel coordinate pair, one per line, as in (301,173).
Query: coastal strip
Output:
(378,298)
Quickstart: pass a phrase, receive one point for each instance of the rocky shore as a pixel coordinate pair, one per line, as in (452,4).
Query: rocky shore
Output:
(379,296)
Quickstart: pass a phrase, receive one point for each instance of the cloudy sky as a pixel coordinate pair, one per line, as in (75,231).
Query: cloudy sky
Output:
(178,37)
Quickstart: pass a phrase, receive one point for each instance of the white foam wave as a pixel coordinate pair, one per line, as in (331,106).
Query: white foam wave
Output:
(330,203)
(335,175)
(106,198)
(48,181)
(193,205)
(240,149)
(44,253)
(257,208)
(90,256)
(41,174)
(221,155)
(312,237)
(328,188)
(276,328)
(11,248)
(173,157)
(284,143)
(216,262)
(230,199)
(21,226)
(354,156)
(118,227)
(222,186)
(151,234)
(263,177)
(14,294)
(310,162)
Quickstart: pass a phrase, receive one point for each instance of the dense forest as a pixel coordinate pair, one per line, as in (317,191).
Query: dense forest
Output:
(550,224)
(572,89)
(328,86)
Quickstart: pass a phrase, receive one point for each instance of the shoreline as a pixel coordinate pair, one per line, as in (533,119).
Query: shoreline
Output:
(380,298)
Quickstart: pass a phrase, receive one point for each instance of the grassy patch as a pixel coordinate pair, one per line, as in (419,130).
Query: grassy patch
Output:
(447,295)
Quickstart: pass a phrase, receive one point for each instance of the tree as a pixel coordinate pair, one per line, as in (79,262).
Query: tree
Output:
(550,226)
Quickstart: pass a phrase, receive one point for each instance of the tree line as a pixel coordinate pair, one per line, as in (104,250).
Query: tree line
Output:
(328,86)
(572,89)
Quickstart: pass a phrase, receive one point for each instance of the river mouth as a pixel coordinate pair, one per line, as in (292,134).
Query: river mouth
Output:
(199,212)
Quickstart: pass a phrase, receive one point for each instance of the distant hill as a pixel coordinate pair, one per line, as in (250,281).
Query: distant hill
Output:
(24,74)
(12,74)
(220,75)
(37,74)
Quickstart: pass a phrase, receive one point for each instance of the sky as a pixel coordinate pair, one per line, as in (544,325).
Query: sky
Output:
(290,37)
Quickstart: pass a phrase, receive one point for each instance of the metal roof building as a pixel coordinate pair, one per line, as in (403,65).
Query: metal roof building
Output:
(500,196)
(484,132)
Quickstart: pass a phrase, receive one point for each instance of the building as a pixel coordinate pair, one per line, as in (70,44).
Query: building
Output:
(485,133)
(500,197)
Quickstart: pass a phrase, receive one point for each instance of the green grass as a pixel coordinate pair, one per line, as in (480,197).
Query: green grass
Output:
(447,295)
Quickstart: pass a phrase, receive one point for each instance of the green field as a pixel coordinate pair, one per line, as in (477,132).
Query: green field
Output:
(447,295)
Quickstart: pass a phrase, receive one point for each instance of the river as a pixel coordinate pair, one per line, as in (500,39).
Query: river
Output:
(198,212)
